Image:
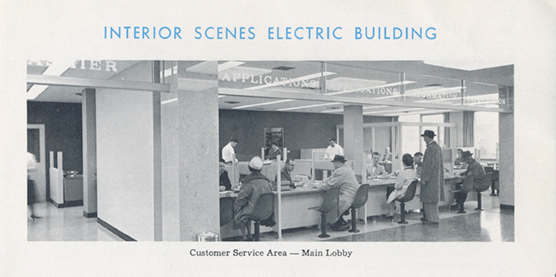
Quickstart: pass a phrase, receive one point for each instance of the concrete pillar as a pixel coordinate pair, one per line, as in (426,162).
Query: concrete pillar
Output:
(506,148)
(353,136)
(197,92)
(88,109)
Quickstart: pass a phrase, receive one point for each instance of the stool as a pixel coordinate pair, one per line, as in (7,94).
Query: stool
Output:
(331,200)
(263,210)
(361,197)
(409,194)
(226,210)
(484,185)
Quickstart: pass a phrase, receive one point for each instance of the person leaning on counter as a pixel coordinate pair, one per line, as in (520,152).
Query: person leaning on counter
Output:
(333,149)
(228,152)
(285,173)
(254,185)
(225,183)
(387,155)
(274,151)
(474,176)
(344,178)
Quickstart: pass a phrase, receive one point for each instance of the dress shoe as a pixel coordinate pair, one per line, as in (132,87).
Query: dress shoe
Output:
(389,217)
(454,206)
(342,227)
(462,212)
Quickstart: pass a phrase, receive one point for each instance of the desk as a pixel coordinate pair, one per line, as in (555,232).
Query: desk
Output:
(295,204)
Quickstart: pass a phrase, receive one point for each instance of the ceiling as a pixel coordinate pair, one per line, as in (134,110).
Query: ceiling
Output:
(357,80)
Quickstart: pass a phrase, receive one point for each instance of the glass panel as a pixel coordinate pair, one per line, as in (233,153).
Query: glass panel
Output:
(486,134)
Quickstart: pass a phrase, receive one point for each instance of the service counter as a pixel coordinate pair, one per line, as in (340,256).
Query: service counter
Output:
(293,212)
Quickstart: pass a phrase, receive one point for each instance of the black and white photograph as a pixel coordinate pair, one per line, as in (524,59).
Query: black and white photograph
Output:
(290,138)
(365,151)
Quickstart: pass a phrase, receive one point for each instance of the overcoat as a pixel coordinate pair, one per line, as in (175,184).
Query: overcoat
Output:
(344,178)
(432,174)
(253,186)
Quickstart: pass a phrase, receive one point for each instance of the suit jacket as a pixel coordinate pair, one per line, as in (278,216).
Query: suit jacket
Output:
(344,178)
(379,170)
(432,174)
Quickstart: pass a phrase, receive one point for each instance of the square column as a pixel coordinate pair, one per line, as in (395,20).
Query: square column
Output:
(506,149)
(196,86)
(353,136)
(88,109)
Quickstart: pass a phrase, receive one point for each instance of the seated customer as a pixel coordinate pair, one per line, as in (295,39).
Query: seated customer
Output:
(285,173)
(344,178)
(418,159)
(274,151)
(225,183)
(253,186)
(459,162)
(405,178)
(474,176)
(375,169)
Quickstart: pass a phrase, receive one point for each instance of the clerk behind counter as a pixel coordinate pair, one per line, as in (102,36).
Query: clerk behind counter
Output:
(274,151)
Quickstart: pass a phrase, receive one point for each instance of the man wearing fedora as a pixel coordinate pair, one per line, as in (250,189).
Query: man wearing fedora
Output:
(474,176)
(344,178)
(432,179)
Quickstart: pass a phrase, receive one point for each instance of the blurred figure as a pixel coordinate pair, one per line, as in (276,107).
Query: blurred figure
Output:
(387,155)
(225,183)
(32,196)
(459,162)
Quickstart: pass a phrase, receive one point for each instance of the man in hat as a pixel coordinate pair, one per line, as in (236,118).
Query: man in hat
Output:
(254,185)
(473,177)
(344,178)
(228,153)
(432,179)
(333,149)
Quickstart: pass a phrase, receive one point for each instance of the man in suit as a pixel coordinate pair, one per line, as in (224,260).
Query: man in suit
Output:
(473,177)
(344,178)
(375,169)
(432,179)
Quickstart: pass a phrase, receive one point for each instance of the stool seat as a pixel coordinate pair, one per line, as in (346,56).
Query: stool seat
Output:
(361,197)
(408,196)
(330,203)
(264,208)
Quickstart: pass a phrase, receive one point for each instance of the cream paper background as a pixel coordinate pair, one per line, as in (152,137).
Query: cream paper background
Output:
(522,33)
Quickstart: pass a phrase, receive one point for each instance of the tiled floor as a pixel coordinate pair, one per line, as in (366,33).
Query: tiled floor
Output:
(491,224)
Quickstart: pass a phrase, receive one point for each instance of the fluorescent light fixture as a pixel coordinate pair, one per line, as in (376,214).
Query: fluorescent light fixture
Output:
(57,68)
(169,101)
(228,65)
(391,111)
(309,106)
(374,107)
(333,111)
(419,112)
(221,96)
(372,87)
(289,81)
(263,104)
(467,65)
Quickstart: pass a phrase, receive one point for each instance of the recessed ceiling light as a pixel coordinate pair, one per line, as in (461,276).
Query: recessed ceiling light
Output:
(231,102)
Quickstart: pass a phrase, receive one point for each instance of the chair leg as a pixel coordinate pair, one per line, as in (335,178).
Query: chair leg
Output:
(257,231)
(402,210)
(479,208)
(323,226)
(353,222)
